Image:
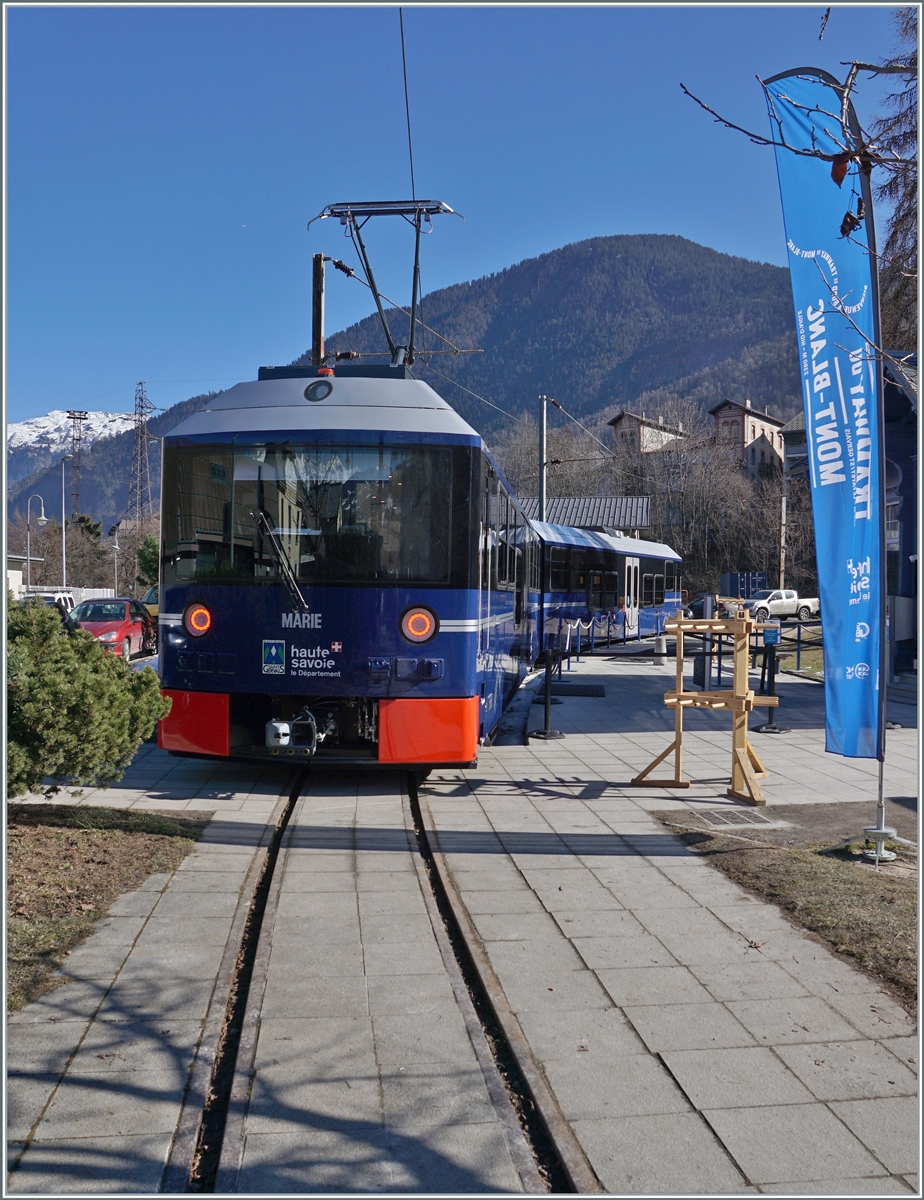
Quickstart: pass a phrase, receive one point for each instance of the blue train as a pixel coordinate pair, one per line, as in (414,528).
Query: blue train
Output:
(346,576)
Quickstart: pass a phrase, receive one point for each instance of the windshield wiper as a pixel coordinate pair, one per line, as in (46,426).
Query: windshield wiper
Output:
(285,568)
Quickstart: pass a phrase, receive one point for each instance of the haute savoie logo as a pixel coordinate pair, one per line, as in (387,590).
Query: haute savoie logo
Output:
(274,658)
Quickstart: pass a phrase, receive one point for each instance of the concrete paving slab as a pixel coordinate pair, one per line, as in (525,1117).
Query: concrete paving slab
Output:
(290,994)
(551,989)
(884,1185)
(158,1046)
(636,1085)
(858,1070)
(127,1103)
(609,923)
(890,1127)
(458,1159)
(424,1096)
(874,1014)
(653,985)
(321,1155)
(408,993)
(754,979)
(905,1049)
(630,1156)
(792,1019)
(803,1141)
(404,1040)
(733,1078)
(91,1166)
(687,1026)
(614,952)
(603,1033)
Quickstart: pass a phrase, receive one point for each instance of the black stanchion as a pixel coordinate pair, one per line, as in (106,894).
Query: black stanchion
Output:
(547,733)
(770,667)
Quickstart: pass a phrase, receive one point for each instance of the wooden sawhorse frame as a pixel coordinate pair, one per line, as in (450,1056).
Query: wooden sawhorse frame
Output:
(747,768)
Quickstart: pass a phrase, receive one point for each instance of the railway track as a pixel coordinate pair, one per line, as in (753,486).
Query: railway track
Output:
(358,1039)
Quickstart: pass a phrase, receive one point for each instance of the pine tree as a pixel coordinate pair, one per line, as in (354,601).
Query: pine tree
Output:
(76,715)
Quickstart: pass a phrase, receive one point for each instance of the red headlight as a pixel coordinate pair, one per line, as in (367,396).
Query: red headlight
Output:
(197,620)
(419,624)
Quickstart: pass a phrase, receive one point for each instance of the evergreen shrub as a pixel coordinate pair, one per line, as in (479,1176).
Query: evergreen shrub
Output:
(75,715)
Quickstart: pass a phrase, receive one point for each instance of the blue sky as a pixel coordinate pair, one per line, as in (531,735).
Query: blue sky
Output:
(162,164)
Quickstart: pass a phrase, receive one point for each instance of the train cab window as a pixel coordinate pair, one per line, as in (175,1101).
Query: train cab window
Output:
(558,570)
(658,590)
(647,591)
(610,584)
(668,577)
(326,512)
(595,590)
(578,571)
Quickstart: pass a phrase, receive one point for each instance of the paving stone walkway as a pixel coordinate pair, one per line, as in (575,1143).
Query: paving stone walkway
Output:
(97,1069)
(696,1040)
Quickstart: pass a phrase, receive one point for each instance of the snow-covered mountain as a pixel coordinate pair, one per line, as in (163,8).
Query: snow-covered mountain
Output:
(39,441)
(54,430)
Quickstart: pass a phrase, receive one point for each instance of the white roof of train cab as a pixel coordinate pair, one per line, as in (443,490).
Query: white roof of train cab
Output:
(273,405)
(567,535)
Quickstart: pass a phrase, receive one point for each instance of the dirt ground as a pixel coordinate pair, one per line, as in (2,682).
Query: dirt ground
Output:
(65,867)
(867,916)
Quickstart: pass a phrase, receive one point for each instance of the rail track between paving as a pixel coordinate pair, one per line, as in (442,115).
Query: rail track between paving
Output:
(207,1149)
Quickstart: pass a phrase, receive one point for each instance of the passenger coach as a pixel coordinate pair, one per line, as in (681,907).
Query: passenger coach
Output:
(346,574)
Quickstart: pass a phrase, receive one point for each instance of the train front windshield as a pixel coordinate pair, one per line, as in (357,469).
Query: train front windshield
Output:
(338,514)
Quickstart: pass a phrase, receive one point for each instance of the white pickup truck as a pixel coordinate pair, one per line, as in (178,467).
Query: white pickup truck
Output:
(782,602)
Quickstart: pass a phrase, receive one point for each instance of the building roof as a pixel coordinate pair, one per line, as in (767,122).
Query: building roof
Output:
(564,535)
(592,512)
(796,425)
(746,408)
(676,430)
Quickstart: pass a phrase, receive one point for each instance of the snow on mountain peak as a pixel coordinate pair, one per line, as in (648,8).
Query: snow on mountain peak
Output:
(53,432)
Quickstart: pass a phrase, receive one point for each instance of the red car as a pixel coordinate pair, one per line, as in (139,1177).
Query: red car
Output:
(122,625)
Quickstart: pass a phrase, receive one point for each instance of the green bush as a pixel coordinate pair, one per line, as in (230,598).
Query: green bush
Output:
(76,715)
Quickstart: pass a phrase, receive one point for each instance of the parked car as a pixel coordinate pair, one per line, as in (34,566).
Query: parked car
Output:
(60,599)
(122,625)
(720,609)
(782,602)
(150,601)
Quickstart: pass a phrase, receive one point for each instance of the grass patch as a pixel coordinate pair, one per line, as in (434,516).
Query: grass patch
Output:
(65,866)
(869,917)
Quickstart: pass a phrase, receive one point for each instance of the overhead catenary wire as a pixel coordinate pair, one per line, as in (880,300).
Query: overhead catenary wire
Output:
(351,274)
(471,393)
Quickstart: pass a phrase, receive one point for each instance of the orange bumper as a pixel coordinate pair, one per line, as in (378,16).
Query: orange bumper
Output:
(196,723)
(428,731)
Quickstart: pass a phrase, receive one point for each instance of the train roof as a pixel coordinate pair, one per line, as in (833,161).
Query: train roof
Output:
(280,405)
(568,535)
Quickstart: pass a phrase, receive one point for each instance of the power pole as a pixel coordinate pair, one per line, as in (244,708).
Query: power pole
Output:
(77,417)
(782,582)
(317,310)
(139,486)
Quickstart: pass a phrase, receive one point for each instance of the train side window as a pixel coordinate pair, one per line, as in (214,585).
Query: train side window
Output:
(647,591)
(610,585)
(535,565)
(558,570)
(502,539)
(658,590)
(668,577)
(596,590)
(578,571)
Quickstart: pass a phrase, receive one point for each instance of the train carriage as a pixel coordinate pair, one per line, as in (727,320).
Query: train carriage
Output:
(347,576)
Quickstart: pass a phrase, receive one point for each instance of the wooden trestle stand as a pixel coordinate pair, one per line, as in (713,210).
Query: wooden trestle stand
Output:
(739,701)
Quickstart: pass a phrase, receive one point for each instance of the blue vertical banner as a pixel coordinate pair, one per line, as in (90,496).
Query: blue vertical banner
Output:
(828,216)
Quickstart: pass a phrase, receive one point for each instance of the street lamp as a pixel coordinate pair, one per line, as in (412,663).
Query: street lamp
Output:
(64,526)
(115,548)
(41,520)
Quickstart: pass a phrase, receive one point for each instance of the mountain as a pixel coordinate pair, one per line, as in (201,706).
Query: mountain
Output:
(40,441)
(105,469)
(603,324)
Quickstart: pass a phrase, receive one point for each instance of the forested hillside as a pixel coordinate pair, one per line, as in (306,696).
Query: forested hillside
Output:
(605,324)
